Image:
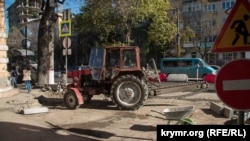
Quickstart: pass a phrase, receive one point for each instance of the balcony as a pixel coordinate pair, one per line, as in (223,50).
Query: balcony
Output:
(188,1)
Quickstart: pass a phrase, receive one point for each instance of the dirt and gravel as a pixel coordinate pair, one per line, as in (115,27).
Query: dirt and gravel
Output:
(99,119)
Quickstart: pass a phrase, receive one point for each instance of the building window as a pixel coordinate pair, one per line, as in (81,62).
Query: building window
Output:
(209,23)
(193,54)
(227,4)
(191,7)
(232,56)
(210,7)
(212,58)
(213,22)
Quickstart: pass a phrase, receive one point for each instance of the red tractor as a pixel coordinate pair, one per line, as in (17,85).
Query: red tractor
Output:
(113,71)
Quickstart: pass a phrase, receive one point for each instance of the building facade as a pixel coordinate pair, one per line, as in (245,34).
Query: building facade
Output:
(22,11)
(5,88)
(24,14)
(205,18)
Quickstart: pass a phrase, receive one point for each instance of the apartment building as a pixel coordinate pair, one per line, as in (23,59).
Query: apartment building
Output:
(206,18)
(22,11)
(24,14)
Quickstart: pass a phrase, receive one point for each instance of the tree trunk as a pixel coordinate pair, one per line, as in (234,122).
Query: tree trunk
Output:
(45,38)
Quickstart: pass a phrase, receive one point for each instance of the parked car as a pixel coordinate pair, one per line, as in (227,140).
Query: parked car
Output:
(216,67)
(209,78)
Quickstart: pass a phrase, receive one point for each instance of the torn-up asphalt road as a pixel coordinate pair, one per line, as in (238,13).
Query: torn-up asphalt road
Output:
(98,120)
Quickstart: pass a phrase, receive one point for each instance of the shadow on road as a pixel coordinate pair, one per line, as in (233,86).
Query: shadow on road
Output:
(209,112)
(100,105)
(50,101)
(146,128)
(58,103)
(23,132)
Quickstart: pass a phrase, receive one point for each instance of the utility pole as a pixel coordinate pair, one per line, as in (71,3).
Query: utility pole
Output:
(178,48)
(25,42)
(26,37)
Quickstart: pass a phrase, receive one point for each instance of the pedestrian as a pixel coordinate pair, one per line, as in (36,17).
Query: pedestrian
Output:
(14,78)
(27,78)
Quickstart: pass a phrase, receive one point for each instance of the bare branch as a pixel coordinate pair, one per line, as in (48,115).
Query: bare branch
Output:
(60,1)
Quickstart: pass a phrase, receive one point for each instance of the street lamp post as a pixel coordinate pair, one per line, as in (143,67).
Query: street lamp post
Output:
(26,43)
(26,40)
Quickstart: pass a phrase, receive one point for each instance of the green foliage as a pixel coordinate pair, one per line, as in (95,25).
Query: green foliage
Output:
(125,22)
(188,34)
(15,37)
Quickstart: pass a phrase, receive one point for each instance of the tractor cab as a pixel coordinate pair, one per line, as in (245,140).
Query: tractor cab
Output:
(110,62)
(96,62)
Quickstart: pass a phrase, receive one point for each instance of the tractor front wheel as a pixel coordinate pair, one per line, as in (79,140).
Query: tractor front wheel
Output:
(71,100)
(129,92)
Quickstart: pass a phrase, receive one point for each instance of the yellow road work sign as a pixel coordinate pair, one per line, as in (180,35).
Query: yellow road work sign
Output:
(235,33)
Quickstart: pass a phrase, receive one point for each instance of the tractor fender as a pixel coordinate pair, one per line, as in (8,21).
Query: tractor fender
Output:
(78,95)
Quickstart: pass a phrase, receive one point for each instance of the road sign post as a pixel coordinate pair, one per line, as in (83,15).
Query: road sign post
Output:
(232,79)
(66,31)
(66,45)
(232,85)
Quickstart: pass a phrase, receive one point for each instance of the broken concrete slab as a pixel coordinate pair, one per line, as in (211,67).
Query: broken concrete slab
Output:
(217,108)
(228,112)
(35,110)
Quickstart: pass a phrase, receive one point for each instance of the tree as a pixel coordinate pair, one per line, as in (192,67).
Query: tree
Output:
(131,22)
(45,39)
(161,30)
(200,26)
(15,38)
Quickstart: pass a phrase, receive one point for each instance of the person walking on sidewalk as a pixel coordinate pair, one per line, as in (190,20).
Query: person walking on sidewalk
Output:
(14,78)
(27,78)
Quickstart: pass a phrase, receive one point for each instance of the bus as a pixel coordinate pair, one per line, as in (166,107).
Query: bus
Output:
(194,68)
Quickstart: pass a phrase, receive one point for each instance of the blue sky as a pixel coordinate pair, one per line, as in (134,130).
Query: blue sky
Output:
(7,3)
(74,5)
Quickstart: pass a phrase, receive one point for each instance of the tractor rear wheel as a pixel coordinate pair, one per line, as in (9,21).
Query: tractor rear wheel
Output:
(128,92)
(71,100)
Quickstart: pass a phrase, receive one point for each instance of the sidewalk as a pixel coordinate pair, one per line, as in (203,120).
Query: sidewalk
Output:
(10,91)
(15,126)
(19,98)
